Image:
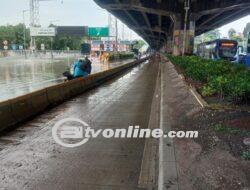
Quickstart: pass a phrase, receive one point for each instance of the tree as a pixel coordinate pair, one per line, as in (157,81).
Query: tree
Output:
(246,30)
(13,34)
(208,36)
(238,37)
(231,33)
(212,35)
(138,44)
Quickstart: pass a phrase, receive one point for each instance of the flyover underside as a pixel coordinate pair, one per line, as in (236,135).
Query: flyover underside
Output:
(156,20)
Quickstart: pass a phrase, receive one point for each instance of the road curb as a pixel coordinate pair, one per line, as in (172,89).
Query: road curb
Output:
(149,167)
(168,175)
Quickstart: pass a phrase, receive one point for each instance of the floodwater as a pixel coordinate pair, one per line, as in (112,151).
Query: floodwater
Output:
(19,76)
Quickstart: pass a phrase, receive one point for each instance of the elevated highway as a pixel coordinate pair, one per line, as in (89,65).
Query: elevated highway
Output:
(169,22)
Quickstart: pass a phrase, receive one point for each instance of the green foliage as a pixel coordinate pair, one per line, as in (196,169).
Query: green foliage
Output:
(120,56)
(219,77)
(13,34)
(245,155)
(138,44)
(232,34)
(60,42)
(208,36)
(207,91)
(224,129)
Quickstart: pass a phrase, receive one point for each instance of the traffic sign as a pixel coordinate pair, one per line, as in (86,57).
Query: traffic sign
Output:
(98,31)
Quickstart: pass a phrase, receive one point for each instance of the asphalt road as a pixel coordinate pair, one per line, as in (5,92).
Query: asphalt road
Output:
(31,159)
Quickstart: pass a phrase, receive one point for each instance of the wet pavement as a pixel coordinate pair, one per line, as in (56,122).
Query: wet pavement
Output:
(18,76)
(30,158)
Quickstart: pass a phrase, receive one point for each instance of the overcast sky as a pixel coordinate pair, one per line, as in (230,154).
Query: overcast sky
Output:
(75,12)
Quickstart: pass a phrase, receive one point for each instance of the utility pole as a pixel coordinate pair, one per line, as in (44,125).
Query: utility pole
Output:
(34,18)
(122,31)
(116,34)
(109,26)
(186,8)
(24,33)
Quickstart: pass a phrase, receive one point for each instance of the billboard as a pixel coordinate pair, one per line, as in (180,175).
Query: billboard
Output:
(38,31)
(98,31)
(78,31)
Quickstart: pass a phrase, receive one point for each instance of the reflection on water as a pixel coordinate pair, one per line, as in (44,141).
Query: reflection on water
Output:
(19,76)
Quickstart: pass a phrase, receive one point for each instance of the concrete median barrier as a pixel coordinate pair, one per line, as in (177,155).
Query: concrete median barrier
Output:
(71,88)
(21,108)
(6,117)
(54,94)
(39,100)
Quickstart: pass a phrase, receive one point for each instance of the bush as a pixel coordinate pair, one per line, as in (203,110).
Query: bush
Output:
(120,56)
(219,77)
(207,91)
(245,155)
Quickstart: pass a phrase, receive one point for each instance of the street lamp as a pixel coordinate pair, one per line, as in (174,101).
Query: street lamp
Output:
(24,32)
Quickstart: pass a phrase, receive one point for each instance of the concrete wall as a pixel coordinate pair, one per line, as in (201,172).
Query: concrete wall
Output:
(22,108)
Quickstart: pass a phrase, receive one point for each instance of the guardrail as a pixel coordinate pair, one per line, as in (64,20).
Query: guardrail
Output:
(40,53)
(22,108)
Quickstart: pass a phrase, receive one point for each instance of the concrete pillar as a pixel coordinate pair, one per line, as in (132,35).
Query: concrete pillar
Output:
(190,38)
(169,45)
(178,37)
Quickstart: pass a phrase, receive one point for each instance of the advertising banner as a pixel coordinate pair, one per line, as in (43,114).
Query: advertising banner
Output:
(35,31)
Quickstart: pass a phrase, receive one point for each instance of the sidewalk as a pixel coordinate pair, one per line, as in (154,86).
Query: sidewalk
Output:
(212,161)
(176,102)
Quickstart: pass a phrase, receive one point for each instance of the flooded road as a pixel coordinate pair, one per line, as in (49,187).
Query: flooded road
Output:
(31,159)
(18,76)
